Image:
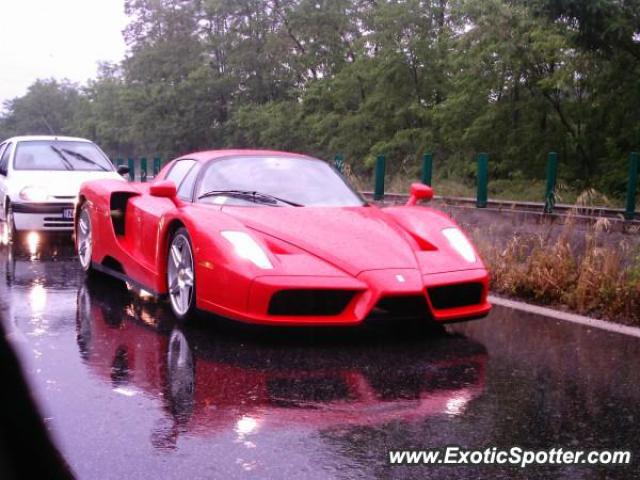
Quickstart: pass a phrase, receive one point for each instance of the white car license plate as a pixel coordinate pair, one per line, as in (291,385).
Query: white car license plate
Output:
(67,213)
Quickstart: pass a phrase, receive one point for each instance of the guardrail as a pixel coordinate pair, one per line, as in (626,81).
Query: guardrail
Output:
(481,201)
(560,209)
(482,181)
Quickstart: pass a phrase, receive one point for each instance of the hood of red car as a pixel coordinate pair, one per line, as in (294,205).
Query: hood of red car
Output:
(353,239)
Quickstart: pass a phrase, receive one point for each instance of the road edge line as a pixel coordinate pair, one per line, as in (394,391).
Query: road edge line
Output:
(566,316)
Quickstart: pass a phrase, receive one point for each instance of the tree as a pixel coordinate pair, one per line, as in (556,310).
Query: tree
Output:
(515,78)
(48,107)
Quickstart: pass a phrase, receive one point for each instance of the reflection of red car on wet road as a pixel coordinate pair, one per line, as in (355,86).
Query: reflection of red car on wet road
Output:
(209,382)
(278,238)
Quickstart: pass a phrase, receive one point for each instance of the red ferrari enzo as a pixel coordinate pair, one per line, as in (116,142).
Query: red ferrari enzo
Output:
(278,238)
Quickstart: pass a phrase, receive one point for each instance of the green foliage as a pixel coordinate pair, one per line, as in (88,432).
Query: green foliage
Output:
(48,106)
(514,78)
(270,125)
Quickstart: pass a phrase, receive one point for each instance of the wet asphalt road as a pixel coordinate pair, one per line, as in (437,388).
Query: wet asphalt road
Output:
(127,393)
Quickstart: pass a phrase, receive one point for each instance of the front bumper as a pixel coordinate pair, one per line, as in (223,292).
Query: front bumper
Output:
(396,294)
(47,216)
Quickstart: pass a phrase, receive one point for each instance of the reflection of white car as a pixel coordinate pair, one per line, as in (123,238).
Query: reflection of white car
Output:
(40,177)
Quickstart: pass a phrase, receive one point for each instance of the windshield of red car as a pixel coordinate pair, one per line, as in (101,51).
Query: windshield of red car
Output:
(303,181)
(60,155)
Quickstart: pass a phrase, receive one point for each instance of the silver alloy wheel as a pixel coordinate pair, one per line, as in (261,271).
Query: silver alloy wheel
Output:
(85,241)
(180,274)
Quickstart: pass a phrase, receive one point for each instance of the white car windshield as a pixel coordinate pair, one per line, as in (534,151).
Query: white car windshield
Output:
(60,155)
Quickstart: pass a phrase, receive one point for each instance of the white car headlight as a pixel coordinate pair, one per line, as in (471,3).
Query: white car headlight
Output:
(247,248)
(460,243)
(34,193)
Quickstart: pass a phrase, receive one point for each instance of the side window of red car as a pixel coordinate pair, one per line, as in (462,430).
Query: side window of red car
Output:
(179,171)
(185,192)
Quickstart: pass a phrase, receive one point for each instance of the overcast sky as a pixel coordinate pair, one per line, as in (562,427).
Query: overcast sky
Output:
(57,38)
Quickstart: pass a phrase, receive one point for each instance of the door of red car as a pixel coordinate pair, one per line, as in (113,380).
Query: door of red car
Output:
(147,211)
(151,209)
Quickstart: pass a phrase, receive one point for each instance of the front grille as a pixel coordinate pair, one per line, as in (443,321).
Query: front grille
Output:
(57,222)
(452,296)
(41,208)
(402,307)
(309,302)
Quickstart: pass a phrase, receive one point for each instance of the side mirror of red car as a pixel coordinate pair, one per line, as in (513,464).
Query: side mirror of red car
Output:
(163,189)
(419,191)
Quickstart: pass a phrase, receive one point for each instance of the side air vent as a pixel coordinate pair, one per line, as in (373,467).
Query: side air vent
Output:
(118,206)
(452,296)
(309,302)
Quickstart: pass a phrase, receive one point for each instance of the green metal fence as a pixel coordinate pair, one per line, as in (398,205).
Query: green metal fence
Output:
(550,190)
(483,180)
(427,169)
(381,166)
(426,176)
(632,187)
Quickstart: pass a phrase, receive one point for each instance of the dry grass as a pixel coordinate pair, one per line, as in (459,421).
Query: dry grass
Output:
(599,280)
(357,181)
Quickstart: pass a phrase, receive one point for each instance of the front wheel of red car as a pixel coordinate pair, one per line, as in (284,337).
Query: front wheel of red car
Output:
(84,239)
(181,279)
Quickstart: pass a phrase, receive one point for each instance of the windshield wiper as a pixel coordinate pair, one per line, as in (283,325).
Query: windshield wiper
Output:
(79,156)
(65,160)
(255,196)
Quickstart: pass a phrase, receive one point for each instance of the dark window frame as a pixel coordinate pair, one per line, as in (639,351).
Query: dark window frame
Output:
(8,148)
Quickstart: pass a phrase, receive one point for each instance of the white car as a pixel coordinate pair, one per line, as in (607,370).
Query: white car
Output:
(40,177)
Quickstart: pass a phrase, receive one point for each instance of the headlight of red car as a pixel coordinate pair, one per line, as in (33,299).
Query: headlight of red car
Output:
(246,247)
(460,243)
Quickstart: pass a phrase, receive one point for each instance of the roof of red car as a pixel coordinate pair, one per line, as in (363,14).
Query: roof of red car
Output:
(210,154)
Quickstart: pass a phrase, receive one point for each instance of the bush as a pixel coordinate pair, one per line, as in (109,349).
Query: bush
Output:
(600,280)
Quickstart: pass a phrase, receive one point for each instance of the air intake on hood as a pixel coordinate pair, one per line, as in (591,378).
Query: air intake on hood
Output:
(309,302)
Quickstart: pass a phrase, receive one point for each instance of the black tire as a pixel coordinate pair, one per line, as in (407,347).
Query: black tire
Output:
(181,281)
